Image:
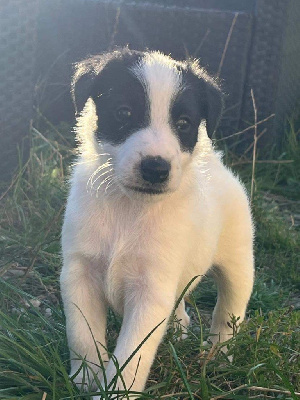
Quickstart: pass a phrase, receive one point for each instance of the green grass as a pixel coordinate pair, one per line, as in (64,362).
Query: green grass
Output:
(33,347)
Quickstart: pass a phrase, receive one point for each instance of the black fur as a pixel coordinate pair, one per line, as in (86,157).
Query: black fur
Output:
(118,93)
(86,72)
(187,105)
(114,87)
(118,89)
(200,99)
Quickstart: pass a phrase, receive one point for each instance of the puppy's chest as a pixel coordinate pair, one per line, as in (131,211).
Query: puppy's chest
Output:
(105,233)
(119,245)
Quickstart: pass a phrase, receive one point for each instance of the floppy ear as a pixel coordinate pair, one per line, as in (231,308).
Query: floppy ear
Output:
(81,84)
(211,96)
(214,106)
(84,76)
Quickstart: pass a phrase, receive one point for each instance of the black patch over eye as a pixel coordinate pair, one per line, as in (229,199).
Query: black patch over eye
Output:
(123,113)
(185,118)
(121,103)
(183,124)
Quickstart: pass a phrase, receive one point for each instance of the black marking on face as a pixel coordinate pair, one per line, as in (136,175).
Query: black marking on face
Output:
(199,99)
(121,99)
(186,113)
(119,96)
(121,104)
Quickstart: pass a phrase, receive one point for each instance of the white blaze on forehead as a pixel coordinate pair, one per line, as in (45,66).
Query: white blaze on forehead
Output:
(162,80)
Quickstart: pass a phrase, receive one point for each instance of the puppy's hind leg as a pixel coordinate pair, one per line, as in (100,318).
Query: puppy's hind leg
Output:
(234,278)
(182,319)
(85,311)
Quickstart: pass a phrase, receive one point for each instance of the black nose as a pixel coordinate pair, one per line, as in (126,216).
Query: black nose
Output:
(155,169)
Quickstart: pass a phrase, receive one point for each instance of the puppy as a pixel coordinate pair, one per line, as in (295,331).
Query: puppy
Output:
(151,206)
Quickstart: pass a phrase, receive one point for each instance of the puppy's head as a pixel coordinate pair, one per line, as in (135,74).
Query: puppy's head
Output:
(148,109)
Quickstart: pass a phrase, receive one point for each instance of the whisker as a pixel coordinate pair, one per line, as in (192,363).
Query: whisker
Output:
(102,166)
(109,184)
(99,176)
(107,165)
(104,180)
(98,169)
(114,188)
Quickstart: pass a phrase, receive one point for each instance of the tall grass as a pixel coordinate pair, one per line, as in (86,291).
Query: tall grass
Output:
(34,358)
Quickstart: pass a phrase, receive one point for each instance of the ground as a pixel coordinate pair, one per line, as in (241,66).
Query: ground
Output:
(33,349)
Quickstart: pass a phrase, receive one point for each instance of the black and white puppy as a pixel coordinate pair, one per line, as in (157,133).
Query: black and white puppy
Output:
(151,206)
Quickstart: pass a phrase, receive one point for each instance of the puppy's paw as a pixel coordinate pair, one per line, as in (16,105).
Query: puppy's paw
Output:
(121,396)
(85,380)
(184,333)
(182,325)
(211,352)
(117,397)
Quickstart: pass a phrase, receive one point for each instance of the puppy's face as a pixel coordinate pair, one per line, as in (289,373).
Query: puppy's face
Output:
(148,109)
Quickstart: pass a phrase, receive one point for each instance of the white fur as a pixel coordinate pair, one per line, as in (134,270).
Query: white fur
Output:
(137,252)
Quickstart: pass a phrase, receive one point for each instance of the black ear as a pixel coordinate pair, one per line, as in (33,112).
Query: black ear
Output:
(214,106)
(84,75)
(210,96)
(80,90)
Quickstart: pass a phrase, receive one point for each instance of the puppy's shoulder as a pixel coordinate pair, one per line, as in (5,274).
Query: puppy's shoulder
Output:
(225,185)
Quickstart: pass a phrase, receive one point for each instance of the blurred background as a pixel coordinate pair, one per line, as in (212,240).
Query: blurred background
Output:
(253,47)
(248,44)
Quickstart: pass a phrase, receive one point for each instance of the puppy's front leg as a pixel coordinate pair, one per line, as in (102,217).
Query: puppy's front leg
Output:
(147,304)
(85,312)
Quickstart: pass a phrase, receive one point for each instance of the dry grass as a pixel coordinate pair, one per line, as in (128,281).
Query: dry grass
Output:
(33,350)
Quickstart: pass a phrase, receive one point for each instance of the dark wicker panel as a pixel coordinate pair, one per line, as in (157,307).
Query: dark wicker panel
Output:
(263,53)
(196,33)
(288,94)
(17,49)
(265,63)
(232,5)
(67,32)
(102,25)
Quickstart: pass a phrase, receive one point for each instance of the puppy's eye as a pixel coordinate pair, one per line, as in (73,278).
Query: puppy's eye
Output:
(123,113)
(183,124)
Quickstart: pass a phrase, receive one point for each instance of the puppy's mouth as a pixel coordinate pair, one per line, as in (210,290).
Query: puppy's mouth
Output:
(145,190)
